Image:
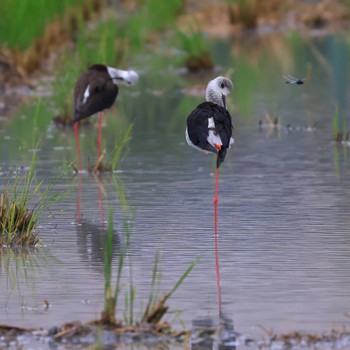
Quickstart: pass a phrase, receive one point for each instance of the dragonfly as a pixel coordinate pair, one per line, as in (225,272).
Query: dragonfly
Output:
(292,80)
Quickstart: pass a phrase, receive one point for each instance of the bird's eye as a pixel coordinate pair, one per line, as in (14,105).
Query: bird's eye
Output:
(222,85)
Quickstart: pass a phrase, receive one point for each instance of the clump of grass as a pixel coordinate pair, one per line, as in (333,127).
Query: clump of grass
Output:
(17,220)
(197,56)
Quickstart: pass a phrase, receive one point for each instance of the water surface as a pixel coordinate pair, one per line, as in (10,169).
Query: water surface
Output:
(283,242)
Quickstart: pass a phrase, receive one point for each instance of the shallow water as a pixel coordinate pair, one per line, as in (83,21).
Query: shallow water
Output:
(283,244)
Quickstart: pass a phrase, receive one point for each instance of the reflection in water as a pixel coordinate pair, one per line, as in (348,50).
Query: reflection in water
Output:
(20,265)
(78,214)
(208,333)
(217,272)
(100,197)
(91,243)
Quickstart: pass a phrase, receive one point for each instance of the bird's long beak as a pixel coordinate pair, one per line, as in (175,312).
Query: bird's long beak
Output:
(223,97)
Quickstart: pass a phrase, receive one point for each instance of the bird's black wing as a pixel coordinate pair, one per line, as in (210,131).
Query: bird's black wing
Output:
(197,127)
(223,126)
(102,94)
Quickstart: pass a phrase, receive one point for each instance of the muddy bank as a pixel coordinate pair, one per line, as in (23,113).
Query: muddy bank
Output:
(74,335)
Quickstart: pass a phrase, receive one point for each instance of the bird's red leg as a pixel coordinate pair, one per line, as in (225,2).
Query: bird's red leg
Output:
(76,130)
(99,135)
(216,195)
(216,201)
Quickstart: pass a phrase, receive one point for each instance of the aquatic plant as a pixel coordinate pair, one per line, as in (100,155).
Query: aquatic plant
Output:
(340,133)
(155,308)
(18,216)
(119,151)
(195,46)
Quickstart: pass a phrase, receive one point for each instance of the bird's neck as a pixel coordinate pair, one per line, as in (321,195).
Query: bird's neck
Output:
(210,96)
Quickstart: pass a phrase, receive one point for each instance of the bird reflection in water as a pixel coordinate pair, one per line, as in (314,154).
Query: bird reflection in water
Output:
(91,243)
(208,333)
(101,191)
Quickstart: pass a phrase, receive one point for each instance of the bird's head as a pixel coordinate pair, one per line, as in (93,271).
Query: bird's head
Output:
(126,77)
(217,90)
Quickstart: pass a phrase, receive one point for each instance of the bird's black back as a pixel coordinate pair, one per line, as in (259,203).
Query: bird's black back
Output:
(197,128)
(102,92)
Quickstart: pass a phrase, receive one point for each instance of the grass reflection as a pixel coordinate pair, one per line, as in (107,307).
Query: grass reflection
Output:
(22,265)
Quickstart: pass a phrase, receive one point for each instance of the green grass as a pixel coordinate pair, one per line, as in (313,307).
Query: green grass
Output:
(161,14)
(151,17)
(22,21)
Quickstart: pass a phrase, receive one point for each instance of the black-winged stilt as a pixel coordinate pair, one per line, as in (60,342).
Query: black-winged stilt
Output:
(209,127)
(96,90)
